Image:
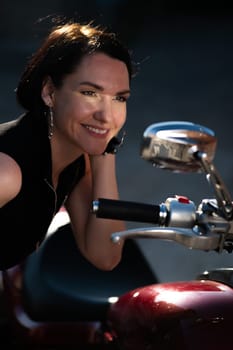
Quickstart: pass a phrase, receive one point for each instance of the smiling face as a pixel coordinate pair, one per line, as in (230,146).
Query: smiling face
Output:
(90,106)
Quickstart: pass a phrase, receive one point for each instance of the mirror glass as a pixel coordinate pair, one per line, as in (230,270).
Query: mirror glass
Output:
(172,145)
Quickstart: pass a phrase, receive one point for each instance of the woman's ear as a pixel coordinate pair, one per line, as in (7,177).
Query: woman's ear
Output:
(47,91)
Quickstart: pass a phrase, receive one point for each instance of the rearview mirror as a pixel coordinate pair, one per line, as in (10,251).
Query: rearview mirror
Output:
(172,145)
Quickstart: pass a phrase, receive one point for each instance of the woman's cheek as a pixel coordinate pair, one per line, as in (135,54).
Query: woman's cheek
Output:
(122,118)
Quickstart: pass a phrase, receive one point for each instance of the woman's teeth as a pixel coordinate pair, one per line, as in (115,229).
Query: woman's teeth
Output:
(97,131)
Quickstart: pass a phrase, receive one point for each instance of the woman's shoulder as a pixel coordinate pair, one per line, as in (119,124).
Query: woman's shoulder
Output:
(10,178)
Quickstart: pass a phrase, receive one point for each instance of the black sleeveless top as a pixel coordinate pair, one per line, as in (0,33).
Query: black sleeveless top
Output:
(24,221)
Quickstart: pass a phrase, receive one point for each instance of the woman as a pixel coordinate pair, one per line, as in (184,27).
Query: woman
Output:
(59,152)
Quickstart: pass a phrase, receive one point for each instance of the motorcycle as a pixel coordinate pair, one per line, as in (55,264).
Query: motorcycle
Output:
(56,299)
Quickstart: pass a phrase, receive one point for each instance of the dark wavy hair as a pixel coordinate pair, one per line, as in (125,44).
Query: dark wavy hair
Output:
(59,55)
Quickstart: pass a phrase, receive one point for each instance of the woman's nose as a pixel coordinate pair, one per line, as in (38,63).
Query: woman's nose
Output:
(104,112)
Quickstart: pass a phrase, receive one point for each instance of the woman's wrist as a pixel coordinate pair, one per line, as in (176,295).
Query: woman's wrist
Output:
(99,162)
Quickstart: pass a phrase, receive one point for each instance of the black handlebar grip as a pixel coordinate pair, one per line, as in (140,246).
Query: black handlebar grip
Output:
(127,211)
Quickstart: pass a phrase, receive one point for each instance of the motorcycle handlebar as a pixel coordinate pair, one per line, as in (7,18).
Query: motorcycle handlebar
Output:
(178,220)
(128,211)
(177,211)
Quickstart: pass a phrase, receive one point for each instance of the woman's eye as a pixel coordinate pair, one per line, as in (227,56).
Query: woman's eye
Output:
(121,98)
(88,93)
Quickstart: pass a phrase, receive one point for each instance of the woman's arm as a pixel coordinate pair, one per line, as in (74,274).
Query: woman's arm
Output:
(93,234)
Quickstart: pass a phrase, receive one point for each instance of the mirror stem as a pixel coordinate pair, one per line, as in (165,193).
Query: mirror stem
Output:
(222,195)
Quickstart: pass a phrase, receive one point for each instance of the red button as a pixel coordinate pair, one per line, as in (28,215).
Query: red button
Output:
(183,199)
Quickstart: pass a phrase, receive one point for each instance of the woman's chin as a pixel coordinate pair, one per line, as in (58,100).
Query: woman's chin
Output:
(96,153)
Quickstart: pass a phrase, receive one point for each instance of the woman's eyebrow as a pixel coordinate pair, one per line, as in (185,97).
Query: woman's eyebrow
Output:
(100,88)
(96,86)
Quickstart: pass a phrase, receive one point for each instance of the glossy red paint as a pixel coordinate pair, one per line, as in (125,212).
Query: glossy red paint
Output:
(180,315)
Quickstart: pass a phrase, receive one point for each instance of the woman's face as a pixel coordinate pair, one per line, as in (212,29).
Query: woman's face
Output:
(90,106)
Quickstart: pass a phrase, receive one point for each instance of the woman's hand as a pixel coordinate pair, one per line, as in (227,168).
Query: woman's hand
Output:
(93,234)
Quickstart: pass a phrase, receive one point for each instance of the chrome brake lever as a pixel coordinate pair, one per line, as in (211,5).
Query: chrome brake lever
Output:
(190,238)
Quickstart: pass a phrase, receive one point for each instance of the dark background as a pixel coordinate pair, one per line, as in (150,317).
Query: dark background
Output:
(185,53)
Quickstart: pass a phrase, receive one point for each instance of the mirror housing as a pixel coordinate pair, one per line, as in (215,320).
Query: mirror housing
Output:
(172,145)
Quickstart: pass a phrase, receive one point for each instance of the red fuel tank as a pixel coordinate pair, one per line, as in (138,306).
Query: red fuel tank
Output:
(180,315)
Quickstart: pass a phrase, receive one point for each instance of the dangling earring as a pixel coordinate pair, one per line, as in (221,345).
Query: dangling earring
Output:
(50,123)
